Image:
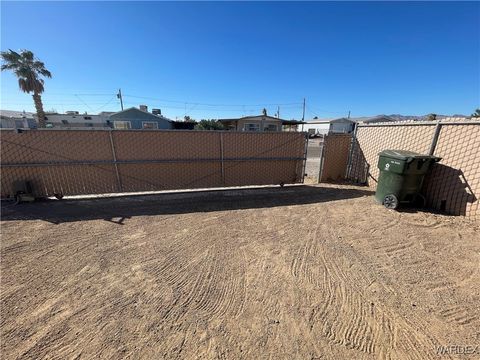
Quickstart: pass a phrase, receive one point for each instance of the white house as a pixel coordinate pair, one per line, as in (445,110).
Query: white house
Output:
(73,119)
(16,119)
(326,126)
(341,125)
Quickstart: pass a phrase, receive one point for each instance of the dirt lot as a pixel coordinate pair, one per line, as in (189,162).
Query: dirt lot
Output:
(300,272)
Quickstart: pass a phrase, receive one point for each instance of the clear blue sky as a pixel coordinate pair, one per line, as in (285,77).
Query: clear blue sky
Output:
(370,58)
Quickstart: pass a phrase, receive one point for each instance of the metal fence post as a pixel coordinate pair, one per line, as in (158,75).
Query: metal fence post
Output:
(322,153)
(222,159)
(304,165)
(433,145)
(350,154)
(114,155)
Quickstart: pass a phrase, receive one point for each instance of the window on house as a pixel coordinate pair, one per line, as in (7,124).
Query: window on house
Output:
(251,127)
(18,124)
(87,117)
(149,125)
(88,124)
(270,127)
(65,122)
(122,125)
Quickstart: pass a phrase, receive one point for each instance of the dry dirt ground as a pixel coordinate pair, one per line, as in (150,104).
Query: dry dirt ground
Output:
(307,272)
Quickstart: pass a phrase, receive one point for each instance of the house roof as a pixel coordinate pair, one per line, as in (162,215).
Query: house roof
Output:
(134,113)
(259,117)
(267,117)
(16,114)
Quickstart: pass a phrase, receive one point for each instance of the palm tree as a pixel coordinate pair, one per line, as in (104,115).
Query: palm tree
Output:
(29,70)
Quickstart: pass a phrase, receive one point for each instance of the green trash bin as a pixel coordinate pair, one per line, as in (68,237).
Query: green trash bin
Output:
(401,177)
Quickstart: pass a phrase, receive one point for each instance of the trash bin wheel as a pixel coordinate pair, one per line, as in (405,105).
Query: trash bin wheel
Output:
(390,201)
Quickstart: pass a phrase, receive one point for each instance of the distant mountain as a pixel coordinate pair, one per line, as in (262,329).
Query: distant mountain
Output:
(399,117)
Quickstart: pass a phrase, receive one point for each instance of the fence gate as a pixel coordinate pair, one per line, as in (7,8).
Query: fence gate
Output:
(76,162)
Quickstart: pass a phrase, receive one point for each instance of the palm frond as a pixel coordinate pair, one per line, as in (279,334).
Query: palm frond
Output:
(27,54)
(27,68)
(10,56)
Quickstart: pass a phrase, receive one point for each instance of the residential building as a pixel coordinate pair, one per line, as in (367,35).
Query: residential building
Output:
(75,120)
(341,125)
(257,123)
(134,118)
(17,120)
(131,118)
(326,126)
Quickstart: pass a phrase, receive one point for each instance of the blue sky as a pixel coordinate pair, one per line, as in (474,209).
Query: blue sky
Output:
(226,59)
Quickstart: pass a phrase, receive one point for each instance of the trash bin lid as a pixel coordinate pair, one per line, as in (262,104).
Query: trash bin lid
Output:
(406,155)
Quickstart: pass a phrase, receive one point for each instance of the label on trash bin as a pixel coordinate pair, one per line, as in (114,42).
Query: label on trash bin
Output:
(388,165)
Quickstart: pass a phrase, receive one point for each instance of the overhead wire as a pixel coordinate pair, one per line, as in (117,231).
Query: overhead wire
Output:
(188,106)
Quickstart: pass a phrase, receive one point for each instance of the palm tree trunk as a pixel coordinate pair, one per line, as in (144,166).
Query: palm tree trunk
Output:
(39,107)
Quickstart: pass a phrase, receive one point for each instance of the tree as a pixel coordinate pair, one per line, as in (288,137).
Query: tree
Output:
(29,70)
(476,114)
(187,118)
(209,125)
(432,116)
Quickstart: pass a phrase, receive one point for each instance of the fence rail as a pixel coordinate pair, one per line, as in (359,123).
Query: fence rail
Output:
(75,162)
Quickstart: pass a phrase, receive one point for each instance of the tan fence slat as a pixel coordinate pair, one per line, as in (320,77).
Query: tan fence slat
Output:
(453,186)
(74,162)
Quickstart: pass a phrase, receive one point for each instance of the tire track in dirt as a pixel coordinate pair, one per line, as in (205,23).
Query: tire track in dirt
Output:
(201,278)
(345,317)
(458,314)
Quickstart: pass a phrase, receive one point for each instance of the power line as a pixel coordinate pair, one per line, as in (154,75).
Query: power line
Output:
(209,104)
(79,98)
(309,108)
(108,103)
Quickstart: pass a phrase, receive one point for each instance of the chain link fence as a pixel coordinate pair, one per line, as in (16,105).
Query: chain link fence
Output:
(334,157)
(327,158)
(453,185)
(77,162)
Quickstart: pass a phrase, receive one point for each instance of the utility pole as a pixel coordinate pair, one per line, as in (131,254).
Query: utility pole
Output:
(119,96)
(278,111)
(348,114)
(303,115)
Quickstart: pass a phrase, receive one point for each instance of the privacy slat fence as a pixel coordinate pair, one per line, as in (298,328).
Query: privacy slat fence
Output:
(453,186)
(77,162)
